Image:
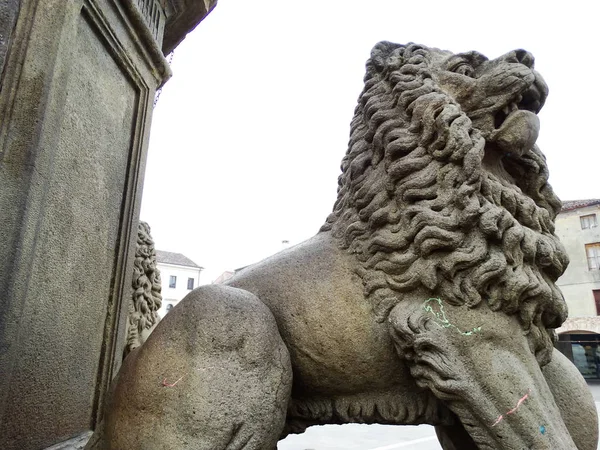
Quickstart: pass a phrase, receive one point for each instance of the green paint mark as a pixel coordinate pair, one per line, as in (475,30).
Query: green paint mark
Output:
(441,318)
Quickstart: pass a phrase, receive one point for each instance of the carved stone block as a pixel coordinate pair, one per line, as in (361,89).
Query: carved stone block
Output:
(78,79)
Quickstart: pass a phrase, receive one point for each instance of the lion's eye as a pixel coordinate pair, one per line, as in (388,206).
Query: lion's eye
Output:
(464,69)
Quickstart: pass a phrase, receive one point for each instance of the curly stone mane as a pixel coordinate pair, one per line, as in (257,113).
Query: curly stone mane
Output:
(417,207)
(146,297)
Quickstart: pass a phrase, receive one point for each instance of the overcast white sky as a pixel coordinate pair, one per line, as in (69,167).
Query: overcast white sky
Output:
(248,135)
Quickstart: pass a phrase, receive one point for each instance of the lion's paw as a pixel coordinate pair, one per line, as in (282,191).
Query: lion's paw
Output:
(432,344)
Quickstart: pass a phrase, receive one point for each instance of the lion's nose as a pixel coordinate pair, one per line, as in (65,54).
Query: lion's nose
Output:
(519,56)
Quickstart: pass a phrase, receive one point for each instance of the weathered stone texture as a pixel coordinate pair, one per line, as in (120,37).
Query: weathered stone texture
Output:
(77,82)
(9,10)
(77,233)
(76,101)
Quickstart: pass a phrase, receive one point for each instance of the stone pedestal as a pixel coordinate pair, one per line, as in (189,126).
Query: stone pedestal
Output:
(78,79)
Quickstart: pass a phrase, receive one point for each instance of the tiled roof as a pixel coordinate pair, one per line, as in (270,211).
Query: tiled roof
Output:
(223,277)
(175,258)
(569,205)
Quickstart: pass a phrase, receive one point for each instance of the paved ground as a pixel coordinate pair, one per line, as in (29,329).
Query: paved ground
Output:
(363,437)
(376,437)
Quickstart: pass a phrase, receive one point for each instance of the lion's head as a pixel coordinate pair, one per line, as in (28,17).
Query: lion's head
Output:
(443,188)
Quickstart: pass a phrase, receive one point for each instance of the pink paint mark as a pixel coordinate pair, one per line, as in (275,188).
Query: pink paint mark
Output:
(165,384)
(514,410)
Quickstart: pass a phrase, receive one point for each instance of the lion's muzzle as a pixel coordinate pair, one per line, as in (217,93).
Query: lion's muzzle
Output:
(515,122)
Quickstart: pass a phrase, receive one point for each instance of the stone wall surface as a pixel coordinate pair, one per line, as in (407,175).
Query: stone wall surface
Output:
(77,81)
(76,97)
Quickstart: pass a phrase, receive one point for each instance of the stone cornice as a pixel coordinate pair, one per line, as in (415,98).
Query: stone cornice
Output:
(182,17)
(148,18)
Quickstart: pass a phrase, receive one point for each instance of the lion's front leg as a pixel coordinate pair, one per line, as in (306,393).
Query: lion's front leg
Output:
(479,363)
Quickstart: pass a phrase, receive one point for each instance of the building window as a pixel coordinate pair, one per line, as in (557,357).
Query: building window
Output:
(584,351)
(588,221)
(597,300)
(190,283)
(172,281)
(593,255)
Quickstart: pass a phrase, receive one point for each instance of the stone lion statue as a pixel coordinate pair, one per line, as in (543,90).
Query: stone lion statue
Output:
(428,297)
(146,287)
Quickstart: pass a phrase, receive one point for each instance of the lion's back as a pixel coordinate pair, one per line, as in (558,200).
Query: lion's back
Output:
(317,299)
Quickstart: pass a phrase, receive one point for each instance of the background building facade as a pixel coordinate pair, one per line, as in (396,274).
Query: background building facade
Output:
(179,275)
(577,226)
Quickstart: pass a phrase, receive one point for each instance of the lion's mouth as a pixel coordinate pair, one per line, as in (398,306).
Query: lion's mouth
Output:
(516,125)
(531,100)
